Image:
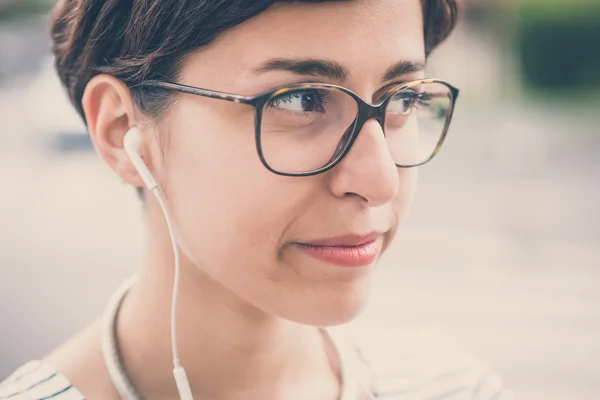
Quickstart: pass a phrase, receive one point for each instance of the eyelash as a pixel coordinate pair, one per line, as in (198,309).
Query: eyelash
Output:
(420,99)
(286,98)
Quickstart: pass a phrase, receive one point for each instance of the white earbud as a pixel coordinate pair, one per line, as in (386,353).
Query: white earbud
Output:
(132,144)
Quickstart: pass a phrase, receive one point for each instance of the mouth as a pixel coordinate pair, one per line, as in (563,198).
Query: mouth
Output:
(345,251)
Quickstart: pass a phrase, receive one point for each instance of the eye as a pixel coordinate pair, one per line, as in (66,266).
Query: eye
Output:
(300,101)
(403,102)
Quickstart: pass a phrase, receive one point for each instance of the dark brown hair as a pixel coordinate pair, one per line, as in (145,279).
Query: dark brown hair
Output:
(136,40)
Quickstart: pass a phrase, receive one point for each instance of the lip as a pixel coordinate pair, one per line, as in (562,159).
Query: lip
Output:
(346,251)
(351,240)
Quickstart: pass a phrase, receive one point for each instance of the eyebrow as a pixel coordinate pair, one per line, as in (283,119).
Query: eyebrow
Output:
(332,70)
(403,67)
(313,67)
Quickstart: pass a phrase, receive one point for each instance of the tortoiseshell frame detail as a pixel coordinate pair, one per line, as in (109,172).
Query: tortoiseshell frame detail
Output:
(366,112)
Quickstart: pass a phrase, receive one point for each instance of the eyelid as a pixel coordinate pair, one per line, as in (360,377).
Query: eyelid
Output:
(289,82)
(388,87)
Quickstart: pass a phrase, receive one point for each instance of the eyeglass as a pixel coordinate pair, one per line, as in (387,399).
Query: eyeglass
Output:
(307,129)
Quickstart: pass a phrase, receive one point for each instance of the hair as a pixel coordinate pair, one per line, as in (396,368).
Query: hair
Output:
(137,40)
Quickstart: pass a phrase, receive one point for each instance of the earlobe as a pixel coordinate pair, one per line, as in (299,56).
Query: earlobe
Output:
(109,114)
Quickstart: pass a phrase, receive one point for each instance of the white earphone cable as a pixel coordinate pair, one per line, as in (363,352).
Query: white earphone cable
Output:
(181,380)
(157,194)
(132,145)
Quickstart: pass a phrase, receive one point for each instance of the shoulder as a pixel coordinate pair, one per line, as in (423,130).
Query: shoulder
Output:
(427,363)
(37,381)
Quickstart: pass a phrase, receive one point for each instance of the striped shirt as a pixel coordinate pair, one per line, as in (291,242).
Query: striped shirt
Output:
(425,365)
(38,381)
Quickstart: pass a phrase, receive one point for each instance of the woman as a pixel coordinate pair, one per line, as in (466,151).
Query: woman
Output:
(282,137)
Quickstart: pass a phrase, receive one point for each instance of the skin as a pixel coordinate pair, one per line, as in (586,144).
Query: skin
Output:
(249,296)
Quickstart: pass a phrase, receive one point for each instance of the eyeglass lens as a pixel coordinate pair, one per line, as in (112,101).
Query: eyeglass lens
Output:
(305,129)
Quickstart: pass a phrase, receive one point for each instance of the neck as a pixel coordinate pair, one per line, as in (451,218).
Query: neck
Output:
(229,348)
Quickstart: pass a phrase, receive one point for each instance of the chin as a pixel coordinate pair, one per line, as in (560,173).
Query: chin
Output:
(340,318)
(338,308)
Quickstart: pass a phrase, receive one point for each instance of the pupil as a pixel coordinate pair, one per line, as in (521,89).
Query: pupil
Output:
(308,102)
(406,105)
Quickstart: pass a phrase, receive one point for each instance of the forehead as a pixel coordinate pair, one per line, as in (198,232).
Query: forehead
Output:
(366,36)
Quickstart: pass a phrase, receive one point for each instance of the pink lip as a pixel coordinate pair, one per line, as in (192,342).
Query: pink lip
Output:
(346,251)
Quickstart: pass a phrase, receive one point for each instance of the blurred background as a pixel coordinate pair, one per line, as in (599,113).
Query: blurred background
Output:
(501,249)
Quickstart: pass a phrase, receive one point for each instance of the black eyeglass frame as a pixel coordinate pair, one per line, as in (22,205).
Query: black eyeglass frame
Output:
(365,112)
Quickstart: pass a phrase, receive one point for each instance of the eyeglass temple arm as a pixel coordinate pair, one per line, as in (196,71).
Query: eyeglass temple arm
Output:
(199,91)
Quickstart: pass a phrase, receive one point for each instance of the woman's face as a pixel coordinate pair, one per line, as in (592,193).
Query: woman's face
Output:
(251,230)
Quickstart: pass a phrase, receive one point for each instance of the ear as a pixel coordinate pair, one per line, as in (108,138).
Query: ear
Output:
(109,113)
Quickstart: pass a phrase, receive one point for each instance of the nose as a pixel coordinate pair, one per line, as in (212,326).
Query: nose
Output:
(368,171)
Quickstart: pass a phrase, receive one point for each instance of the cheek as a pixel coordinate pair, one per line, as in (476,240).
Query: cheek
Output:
(228,208)
(408,185)
(214,177)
